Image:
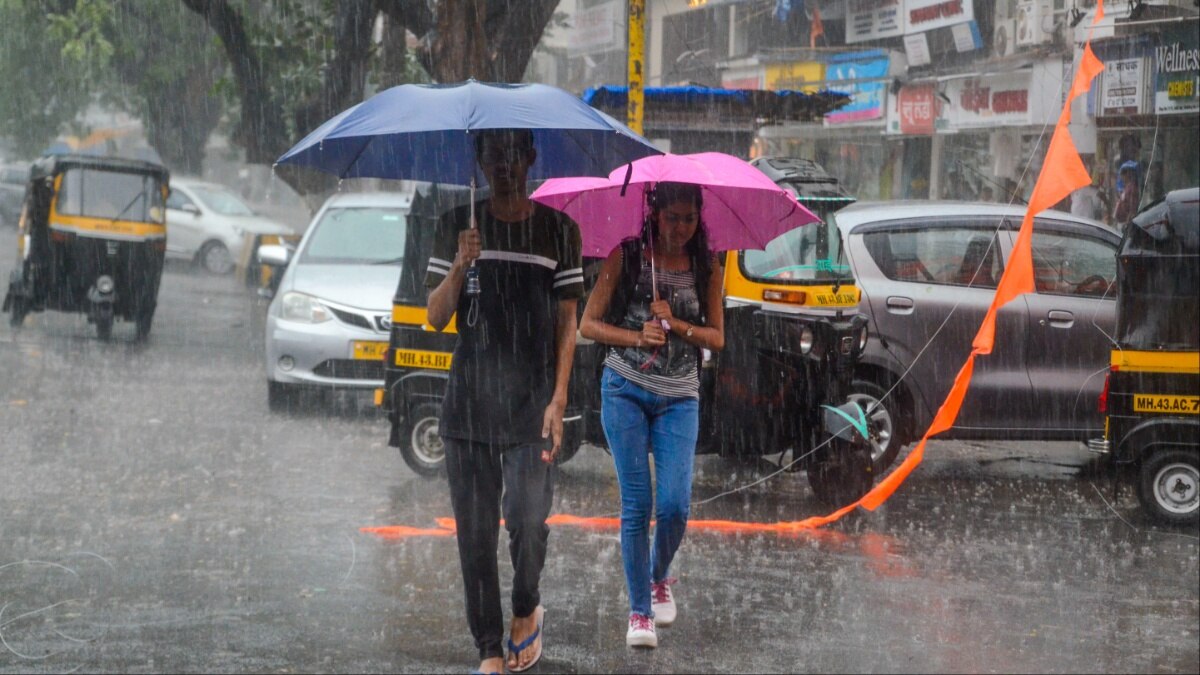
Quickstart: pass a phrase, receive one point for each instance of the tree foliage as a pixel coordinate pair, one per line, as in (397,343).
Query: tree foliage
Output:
(276,69)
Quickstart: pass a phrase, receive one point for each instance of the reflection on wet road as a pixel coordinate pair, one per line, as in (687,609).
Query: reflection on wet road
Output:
(155,516)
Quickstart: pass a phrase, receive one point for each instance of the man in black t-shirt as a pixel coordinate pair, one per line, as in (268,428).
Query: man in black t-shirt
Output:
(502,417)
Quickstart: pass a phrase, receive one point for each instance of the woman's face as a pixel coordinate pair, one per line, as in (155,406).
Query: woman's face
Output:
(677,223)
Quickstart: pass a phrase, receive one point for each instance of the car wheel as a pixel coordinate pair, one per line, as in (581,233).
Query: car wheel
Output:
(282,397)
(420,444)
(1169,486)
(881,411)
(215,258)
(843,475)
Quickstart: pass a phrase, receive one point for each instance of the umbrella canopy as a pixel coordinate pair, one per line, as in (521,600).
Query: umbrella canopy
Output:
(423,132)
(743,209)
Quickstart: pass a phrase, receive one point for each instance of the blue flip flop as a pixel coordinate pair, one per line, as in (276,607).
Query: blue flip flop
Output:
(526,644)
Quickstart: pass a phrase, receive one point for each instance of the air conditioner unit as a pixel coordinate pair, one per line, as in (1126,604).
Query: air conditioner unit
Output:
(1034,22)
(1004,41)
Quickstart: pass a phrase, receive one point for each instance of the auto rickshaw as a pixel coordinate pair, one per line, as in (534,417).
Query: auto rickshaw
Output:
(793,337)
(1151,398)
(91,239)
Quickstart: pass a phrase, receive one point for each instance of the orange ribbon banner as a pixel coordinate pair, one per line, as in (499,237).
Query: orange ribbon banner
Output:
(1062,173)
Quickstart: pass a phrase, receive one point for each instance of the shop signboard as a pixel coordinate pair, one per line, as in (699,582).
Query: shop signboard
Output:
(866,97)
(924,15)
(988,101)
(914,111)
(1121,88)
(873,20)
(597,29)
(795,76)
(1177,71)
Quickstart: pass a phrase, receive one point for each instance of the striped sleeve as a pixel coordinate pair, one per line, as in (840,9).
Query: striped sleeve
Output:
(445,245)
(568,276)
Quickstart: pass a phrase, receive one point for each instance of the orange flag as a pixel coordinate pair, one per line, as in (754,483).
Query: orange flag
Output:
(1062,173)
(816,27)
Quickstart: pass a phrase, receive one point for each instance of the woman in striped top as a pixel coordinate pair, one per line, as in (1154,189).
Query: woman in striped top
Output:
(656,320)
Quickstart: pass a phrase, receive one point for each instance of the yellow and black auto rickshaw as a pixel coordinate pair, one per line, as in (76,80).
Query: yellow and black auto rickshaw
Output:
(92,236)
(793,338)
(1152,395)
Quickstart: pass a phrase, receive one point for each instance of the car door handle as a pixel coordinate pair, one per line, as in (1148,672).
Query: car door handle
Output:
(897,304)
(1059,318)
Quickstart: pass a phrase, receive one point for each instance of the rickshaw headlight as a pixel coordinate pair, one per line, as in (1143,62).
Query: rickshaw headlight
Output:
(806,340)
(104,285)
(862,338)
(305,308)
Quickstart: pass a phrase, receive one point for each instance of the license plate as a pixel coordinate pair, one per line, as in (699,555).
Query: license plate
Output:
(834,299)
(369,350)
(1179,405)
(415,358)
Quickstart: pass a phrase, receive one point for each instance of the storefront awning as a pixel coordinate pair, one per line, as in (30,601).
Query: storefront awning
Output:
(751,104)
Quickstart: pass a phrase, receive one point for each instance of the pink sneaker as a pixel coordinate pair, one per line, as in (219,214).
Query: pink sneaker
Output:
(641,632)
(662,602)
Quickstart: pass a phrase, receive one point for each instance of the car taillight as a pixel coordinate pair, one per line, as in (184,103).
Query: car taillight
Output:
(1102,402)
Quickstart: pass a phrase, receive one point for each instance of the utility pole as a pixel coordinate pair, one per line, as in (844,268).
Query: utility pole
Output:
(636,97)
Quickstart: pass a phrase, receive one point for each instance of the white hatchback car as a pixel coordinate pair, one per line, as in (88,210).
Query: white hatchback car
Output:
(329,322)
(210,224)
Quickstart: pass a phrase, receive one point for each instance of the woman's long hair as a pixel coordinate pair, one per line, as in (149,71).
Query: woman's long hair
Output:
(663,195)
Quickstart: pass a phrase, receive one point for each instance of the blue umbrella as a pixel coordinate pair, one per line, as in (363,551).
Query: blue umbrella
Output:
(423,132)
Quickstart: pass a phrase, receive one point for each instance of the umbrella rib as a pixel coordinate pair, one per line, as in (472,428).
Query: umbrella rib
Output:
(361,150)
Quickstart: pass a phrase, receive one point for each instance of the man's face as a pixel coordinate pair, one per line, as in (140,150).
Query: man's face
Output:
(505,161)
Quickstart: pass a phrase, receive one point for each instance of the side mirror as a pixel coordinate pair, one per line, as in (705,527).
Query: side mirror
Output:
(274,255)
(191,208)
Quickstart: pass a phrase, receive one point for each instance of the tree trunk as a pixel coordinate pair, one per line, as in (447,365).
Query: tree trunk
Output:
(260,131)
(517,36)
(458,50)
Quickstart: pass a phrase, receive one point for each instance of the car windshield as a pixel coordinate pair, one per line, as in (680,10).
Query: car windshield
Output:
(116,195)
(357,236)
(806,254)
(222,201)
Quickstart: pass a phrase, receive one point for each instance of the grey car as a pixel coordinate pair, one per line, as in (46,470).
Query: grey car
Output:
(328,324)
(928,272)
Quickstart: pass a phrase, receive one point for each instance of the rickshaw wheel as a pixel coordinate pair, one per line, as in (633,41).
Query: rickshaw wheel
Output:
(420,445)
(104,326)
(1169,486)
(145,320)
(882,422)
(843,475)
(17,313)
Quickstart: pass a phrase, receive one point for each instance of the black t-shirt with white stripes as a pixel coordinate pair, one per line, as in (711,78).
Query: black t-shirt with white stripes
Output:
(502,373)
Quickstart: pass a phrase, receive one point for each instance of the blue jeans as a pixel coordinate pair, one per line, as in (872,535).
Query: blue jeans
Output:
(638,423)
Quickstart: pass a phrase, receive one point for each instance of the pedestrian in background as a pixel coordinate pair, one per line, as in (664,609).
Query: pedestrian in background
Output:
(657,304)
(502,416)
(1089,201)
(1128,194)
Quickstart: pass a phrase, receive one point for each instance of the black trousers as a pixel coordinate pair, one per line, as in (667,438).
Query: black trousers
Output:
(484,479)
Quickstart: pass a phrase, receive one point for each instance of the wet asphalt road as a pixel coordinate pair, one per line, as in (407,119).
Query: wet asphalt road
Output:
(155,517)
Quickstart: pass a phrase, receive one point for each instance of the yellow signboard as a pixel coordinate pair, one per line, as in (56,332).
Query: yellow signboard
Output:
(796,76)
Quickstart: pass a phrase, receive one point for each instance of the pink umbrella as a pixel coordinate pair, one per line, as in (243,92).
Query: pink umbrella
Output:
(743,209)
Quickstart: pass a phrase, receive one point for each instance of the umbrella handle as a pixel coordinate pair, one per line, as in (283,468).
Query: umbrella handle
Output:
(472,271)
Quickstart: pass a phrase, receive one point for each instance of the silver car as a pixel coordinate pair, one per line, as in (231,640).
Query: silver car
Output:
(928,272)
(327,326)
